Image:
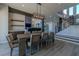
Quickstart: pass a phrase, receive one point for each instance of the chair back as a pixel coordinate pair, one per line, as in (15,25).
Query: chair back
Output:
(51,35)
(45,35)
(23,36)
(35,37)
(15,33)
(10,40)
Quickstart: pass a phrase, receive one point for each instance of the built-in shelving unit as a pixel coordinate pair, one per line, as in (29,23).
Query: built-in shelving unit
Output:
(18,20)
(17,25)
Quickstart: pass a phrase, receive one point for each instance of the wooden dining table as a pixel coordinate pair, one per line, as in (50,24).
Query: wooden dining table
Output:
(22,38)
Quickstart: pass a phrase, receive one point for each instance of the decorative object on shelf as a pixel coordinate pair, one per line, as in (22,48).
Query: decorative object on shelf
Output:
(38,14)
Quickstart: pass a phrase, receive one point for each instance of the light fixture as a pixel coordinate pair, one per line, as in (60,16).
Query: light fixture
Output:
(38,14)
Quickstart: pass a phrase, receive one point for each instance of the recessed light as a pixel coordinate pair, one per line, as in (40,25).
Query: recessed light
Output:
(23,5)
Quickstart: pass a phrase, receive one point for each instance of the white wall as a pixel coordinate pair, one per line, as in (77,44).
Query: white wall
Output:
(52,22)
(3,24)
(51,26)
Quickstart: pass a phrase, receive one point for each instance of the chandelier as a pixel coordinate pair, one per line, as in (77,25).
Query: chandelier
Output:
(38,14)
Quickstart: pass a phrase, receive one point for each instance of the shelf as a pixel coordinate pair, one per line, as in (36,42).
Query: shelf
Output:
(17,25)
(18,20)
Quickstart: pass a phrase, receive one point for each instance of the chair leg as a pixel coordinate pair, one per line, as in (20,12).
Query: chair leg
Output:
(11,51)
(41,44)
(38,47)
(50,42)
(46,43)
(53,41)
(30,51)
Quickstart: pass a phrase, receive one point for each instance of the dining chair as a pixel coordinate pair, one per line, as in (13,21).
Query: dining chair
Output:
(12,43)
(34,40)
(45,38)
(51,37)
(23,38)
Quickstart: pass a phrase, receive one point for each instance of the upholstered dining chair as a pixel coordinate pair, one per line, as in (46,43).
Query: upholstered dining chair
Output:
(12,43)
(45,38)
(34,40)
(51,37)
(23,38)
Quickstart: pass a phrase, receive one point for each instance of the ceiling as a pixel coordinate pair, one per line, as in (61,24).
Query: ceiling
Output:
(47,9)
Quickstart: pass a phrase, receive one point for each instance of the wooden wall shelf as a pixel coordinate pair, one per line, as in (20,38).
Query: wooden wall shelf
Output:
(13,10)
(18,20)
(17,25)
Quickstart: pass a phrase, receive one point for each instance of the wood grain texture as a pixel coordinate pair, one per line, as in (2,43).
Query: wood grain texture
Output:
(59,48)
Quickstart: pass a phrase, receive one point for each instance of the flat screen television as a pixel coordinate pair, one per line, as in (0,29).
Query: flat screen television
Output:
(27,25)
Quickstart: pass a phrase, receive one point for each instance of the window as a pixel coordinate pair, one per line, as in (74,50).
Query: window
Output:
(70,11)
(65,11)
(77,9)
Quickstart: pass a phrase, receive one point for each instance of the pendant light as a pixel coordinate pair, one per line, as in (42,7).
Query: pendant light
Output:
(38,14)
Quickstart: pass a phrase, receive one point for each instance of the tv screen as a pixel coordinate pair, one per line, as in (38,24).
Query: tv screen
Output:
(27,25)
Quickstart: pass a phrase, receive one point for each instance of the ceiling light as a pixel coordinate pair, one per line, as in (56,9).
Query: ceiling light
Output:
(38,14)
